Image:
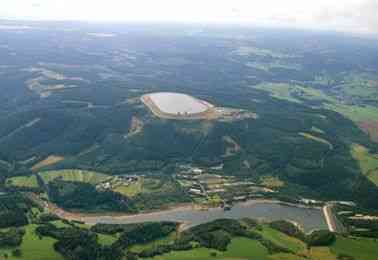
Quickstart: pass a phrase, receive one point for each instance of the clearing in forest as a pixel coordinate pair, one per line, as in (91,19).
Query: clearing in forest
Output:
(367,162)
(50,160)
(317,139)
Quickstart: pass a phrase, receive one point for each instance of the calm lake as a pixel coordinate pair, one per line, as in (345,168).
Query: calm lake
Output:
(307,218)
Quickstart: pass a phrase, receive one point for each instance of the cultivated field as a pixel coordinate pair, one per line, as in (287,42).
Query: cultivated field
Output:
(23,182)
(33,247)
(74,175)
(50,160)
(240,248)
(368,162)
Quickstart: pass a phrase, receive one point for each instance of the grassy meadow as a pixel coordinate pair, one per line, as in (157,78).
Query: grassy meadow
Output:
(23,182)
(74,175)
(368,162)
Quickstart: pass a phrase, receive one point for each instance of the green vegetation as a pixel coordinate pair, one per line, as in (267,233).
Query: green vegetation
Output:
(299,94)
(153,244)
(288,228)
(11,237)
(281,239)
(323,86)
(106,240)
(239,248)
(33,247)
(74,176)
(131,189)
(85,197)
(354,112)
(320,238)
(77,243)
(13,210)
(23,182)
(271,182)
(368,162)
(360,248)
(292,93)
(159,192)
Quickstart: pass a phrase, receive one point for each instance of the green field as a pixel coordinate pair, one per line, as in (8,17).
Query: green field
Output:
(162,241)
(240,248)
(292,92)
(360,248)
(132,189)
(23,181)
(74,175)
(299,94)
(33,248)
(282,240)
(271,181)
(106,240)
(368,162)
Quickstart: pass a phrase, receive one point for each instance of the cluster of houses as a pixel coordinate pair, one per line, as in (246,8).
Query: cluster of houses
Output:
(200,183)
(116,181)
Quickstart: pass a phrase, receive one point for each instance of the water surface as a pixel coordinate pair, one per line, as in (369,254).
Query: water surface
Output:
(308,218)
(174,103)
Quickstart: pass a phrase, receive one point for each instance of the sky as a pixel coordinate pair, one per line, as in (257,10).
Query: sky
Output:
(358,16)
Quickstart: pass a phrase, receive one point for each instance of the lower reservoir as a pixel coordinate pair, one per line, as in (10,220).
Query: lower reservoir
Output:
(307,218)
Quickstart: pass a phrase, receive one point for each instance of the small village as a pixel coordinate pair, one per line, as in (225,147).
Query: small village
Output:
(116,181)
(215,189)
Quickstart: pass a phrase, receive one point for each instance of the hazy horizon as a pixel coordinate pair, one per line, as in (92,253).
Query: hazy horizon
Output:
(355,16)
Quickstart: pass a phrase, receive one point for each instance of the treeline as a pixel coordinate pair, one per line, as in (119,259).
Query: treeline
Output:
(78,244)
(11,237)
(216,235)
(315,238)
(13,210)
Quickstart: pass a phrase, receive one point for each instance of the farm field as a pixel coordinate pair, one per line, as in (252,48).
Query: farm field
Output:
(74,175)
(23,182)
(50,160)
(360,248)
(162,241)
(131,189)
(368,162)
(240,248)
(106,240)
(301,95)
(246,249)
(281,239)
(34,248)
